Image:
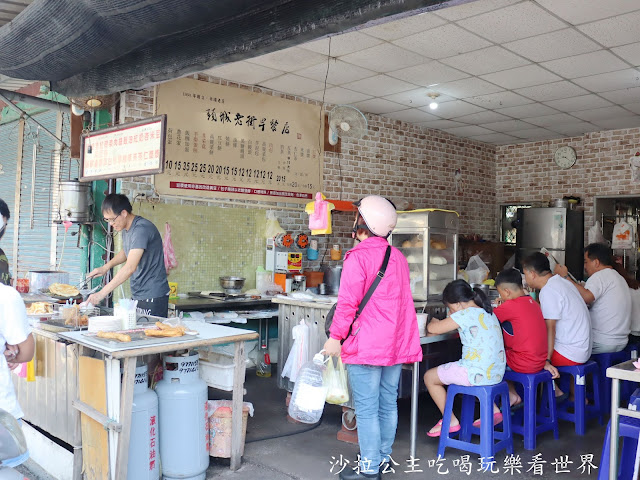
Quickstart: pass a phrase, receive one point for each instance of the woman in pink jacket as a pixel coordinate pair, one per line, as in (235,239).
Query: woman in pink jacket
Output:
(383,337)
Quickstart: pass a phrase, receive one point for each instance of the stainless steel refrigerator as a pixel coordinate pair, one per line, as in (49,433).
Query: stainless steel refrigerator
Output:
(559,230)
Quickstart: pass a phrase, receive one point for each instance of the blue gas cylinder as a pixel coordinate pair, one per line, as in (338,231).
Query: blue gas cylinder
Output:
(144,459)
(182,395)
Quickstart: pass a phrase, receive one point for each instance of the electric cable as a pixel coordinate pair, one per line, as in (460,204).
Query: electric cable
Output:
(272,437)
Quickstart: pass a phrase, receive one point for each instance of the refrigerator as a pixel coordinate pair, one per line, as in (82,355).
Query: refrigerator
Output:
(559,230)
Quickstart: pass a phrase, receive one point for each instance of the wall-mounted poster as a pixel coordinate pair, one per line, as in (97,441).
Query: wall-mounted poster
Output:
(232,143)
(126,150)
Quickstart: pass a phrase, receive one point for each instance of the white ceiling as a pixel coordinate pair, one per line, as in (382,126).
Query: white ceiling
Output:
(507,71)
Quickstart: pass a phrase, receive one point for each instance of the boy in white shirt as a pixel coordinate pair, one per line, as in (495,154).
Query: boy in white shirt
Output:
(16,345)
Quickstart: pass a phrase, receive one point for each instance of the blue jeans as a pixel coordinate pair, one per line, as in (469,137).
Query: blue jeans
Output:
(375,395)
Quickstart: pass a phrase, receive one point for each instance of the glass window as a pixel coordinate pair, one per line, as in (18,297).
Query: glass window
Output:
(509,216)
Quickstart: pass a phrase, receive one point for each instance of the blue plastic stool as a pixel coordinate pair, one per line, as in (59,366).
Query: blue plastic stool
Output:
(487,396)
(629,431)
(604,361)
(581,412)
(528,422)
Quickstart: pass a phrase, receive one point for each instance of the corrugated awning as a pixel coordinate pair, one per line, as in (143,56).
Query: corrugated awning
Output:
(86,47)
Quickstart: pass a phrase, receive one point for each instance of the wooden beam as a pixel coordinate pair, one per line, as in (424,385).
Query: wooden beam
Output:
(236,405)
(96,415)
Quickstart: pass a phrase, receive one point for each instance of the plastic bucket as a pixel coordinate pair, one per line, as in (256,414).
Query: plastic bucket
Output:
(220,427)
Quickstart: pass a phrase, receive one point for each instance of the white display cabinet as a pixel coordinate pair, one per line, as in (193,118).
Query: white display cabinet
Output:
(429,241)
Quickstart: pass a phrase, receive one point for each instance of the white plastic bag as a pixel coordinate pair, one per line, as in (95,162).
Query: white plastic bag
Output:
(273,227)
(594,234)
(299,354)
(477,270)
(622,236)
(335,378)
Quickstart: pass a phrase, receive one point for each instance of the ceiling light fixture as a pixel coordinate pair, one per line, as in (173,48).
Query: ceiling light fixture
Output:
(433,105)
(94,102)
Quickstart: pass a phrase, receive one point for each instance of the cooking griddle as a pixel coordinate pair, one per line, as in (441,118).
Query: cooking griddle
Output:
(138,338)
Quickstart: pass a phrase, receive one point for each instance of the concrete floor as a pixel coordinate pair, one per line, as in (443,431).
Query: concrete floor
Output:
(310,455)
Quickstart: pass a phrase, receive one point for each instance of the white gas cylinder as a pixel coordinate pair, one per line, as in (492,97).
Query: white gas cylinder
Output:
(144,460)
(184,429)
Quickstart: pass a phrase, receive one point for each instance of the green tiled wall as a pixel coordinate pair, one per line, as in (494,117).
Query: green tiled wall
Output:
(209,242)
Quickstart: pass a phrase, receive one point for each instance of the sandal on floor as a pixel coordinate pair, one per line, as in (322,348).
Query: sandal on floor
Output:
(452,429)
(562,398)
(497,418)
(517,406)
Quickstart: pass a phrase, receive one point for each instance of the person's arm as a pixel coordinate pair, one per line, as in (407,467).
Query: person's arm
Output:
(551,339)
(20,353)
(437,327)
(119,259)
(133,259)
(586,295)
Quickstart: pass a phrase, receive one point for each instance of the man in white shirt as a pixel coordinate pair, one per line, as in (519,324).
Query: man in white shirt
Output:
(564,312)
(16,345)
(607,293)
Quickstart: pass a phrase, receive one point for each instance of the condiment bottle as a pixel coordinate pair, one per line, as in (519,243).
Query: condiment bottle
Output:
(336,253)
(264,362)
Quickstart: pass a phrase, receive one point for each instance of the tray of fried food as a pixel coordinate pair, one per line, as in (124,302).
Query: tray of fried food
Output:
(120,337)
(40,310)
(165,330)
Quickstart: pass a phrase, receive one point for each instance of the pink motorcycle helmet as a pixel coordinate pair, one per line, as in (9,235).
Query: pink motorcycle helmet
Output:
(379,215)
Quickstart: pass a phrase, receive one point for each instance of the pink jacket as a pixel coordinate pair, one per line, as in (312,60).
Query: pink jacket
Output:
(386,333)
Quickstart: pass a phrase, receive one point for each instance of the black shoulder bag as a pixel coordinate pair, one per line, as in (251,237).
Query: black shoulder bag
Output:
(329,318)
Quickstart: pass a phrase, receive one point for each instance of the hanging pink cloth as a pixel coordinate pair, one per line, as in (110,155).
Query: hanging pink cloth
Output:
(319,215)
(167,247)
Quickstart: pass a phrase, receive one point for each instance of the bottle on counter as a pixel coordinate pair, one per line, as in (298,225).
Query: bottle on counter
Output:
(264,362)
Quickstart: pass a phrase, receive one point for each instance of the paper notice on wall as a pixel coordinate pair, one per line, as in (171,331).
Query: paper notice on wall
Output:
(232,143)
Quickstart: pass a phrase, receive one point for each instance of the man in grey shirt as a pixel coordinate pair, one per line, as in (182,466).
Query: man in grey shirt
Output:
(142,256)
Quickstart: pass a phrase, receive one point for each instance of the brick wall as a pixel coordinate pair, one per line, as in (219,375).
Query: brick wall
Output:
(411,165)
(527,173)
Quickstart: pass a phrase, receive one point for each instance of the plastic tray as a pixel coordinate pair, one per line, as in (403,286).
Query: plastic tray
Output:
(138,338)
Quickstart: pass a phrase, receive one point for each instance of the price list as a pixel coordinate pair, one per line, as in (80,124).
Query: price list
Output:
(229,142)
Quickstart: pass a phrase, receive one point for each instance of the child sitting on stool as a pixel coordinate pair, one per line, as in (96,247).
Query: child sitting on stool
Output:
(523,330)
(483,357)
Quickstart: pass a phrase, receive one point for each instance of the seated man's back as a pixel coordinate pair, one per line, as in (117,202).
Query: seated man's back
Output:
(611,310)
(561,301)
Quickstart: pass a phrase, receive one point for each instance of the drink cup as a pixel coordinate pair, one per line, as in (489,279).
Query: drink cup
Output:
(423,318)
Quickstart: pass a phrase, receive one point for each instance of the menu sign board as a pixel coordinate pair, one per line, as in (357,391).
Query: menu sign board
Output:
(232,143)
(125,150)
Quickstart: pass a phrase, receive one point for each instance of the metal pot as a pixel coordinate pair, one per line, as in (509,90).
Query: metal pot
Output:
(332,279)
(232,283)
(559,203)
(75,201)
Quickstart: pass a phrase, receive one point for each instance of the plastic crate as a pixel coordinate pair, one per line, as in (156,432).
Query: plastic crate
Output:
(216,369)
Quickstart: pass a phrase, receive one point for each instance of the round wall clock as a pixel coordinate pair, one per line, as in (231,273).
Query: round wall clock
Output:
(565,157)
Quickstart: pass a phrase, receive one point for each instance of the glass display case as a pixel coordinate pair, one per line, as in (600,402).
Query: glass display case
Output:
(429,241)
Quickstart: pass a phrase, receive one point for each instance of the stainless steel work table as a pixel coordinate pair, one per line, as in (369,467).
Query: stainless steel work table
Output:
(121,428)
(622,371)
(415,383)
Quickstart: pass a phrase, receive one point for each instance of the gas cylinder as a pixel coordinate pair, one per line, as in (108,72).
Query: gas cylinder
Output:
(183,421)
(144,461)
